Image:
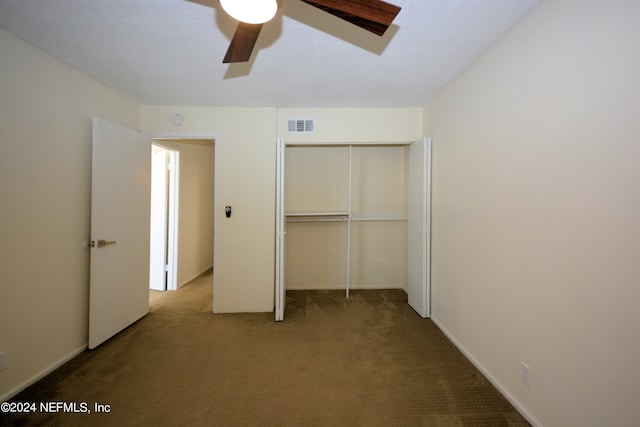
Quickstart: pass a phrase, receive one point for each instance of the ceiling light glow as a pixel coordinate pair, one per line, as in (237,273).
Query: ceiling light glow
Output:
(250,11)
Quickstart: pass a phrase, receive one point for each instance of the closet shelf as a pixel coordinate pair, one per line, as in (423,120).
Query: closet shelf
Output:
(378,216)
(317,216)
(379,219)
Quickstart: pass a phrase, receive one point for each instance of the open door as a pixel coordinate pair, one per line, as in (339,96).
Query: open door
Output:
(120,205)
(419,226)
(281,231)
(159,218)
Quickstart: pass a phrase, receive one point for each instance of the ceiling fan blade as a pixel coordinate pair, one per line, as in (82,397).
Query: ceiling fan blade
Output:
(372,15)
(242,43)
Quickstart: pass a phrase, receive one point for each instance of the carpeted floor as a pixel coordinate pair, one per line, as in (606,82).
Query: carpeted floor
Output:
(366,361)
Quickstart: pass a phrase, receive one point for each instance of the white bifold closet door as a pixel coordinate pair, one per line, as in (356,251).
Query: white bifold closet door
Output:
(419,225)
(281,231)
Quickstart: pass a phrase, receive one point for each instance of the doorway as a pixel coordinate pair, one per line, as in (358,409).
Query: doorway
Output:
(186,198)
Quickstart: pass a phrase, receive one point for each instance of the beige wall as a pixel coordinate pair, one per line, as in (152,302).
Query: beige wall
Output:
(535,212)
(195,234)
(45,186)
(245,179)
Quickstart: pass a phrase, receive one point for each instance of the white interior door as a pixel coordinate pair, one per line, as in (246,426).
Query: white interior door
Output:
(120,205)
(159,217)
(419,226)
(281,231)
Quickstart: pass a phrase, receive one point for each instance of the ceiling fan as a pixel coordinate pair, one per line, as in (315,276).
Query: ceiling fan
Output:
(372,15)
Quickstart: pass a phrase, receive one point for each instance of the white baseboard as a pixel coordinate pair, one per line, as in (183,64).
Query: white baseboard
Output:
(516,404)
(42,374)
(194,277)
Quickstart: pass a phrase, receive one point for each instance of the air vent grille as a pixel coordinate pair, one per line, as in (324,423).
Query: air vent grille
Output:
(300,125)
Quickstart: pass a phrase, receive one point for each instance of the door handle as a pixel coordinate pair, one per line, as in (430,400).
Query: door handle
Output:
(102,243)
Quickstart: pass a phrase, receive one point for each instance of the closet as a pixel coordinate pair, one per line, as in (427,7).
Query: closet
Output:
(353,216)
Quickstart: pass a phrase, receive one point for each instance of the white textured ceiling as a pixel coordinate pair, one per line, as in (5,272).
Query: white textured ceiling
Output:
(169,52)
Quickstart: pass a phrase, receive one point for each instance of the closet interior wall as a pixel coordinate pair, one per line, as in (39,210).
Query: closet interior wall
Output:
(346,210)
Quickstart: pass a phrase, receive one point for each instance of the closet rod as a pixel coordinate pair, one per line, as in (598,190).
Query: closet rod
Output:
(379,219)
(312,219)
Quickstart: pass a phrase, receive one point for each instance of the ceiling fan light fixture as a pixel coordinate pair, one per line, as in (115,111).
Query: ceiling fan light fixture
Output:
(250,11)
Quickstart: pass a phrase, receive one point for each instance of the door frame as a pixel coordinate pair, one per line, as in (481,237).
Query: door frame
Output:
(167,136)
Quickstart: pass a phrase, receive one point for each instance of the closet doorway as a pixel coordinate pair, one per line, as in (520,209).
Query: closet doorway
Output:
(353,216)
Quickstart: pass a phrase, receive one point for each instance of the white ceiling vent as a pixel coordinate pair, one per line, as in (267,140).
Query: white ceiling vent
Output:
(300,125)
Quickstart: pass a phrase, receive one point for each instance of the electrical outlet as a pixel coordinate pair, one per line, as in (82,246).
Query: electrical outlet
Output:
(525,374)
(3,362)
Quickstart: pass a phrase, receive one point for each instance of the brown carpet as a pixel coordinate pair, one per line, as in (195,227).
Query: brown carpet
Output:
(366,361)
